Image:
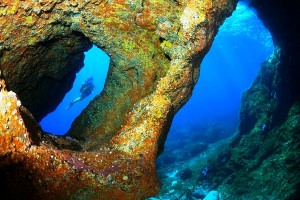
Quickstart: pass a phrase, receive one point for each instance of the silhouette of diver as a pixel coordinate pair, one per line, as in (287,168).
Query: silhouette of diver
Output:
(86,89)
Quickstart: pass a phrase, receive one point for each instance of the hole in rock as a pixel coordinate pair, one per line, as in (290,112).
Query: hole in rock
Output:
(96,64)
(200,128)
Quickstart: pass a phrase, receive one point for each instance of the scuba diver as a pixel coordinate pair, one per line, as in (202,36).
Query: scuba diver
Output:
(86,89)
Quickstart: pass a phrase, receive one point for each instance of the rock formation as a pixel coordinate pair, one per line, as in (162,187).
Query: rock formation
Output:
(155,49)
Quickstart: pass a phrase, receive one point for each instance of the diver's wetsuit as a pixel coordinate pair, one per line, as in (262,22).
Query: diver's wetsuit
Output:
(86,89)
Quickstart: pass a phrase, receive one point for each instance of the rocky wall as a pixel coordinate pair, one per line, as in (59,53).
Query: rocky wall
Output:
(262,159)
(40,55)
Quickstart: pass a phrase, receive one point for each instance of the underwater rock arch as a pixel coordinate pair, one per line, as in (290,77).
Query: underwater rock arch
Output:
(155,49)
(160,44)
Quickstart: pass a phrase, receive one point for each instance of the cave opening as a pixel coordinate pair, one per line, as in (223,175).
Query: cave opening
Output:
(203,127)
(96,64)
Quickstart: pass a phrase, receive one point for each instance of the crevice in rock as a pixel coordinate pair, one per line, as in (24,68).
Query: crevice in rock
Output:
(88,84)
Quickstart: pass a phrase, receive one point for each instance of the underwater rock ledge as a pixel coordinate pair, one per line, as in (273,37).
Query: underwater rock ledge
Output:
(155,49)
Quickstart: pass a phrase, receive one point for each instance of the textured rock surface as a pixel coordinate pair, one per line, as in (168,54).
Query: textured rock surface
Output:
(39,54)
(262,161)
(155,49)
(44,172)
(169,39)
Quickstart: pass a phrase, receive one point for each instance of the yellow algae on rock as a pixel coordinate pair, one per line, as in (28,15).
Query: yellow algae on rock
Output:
(190,18)
(13,7)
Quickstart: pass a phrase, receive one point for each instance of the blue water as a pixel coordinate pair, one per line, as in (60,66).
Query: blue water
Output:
(95,65)
(228,69)
(212,113)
